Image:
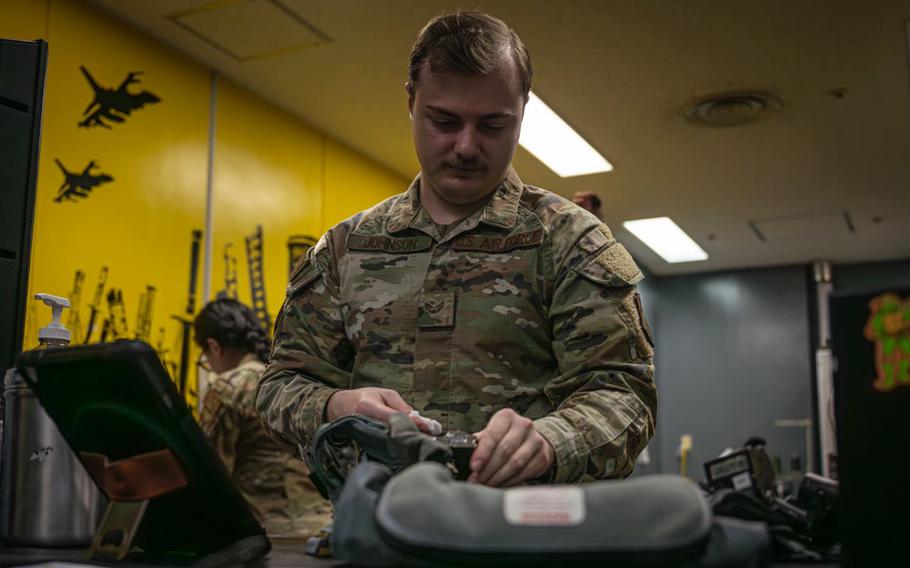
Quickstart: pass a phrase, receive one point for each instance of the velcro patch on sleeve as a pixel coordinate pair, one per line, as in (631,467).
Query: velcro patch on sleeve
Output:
(307,271)
(613,266)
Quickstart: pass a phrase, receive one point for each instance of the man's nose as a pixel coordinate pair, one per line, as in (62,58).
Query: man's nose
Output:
(467,144)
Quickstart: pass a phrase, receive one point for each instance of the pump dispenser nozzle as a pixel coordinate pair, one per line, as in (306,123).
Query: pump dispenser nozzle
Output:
(54,332)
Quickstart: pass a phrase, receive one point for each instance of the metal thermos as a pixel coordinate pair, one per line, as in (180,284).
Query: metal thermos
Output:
(46,496)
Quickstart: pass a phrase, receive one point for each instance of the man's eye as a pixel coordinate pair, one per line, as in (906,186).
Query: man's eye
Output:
(493,127)
(442,121)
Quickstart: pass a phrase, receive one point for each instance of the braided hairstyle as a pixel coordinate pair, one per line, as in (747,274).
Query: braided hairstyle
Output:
(234,326)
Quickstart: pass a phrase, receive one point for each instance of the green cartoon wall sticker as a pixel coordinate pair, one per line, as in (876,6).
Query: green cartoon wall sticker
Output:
(888,328)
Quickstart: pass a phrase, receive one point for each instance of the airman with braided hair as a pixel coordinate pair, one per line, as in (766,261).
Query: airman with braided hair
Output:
(277,487)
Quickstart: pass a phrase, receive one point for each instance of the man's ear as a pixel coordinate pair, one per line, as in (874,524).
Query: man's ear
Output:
(409,87)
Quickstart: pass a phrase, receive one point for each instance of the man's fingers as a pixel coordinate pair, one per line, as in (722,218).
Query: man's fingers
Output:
(380,405)
(393,400)
(374,408)
(525,455)
(534,468)
(519,430)
(488,438)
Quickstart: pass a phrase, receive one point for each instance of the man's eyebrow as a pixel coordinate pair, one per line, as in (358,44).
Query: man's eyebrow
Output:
(490,116)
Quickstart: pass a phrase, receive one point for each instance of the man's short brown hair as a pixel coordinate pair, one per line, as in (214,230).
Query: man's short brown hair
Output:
(468,43)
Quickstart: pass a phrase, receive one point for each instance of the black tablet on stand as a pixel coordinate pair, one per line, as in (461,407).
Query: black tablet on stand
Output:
(172,498)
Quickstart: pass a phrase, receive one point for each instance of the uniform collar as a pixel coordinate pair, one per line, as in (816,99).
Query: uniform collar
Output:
(500,211)
(405,211)
(249,361)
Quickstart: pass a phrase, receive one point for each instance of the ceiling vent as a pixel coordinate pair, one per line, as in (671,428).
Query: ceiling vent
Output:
(805,227)
(732,109)
(247,30)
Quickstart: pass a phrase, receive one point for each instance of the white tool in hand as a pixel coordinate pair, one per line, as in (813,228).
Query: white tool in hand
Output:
(434,427)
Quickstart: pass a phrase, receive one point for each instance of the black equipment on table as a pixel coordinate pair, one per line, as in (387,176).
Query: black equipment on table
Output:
(747,468)
(172,497)
(742,484)
(397,503)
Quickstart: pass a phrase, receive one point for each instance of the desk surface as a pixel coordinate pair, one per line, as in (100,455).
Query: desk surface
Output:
(286,553)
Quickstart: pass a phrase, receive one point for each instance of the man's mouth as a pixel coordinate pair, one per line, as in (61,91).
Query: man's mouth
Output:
(465,169)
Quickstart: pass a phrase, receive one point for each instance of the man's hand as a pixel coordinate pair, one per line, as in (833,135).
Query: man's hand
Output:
(509,451)
(371,402)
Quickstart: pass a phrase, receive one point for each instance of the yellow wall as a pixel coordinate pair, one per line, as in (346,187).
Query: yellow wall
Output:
(353,184)
(23,19)
(139,224)
(269,169)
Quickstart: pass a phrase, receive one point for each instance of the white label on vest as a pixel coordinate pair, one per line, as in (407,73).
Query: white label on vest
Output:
(742,481)
(544,506)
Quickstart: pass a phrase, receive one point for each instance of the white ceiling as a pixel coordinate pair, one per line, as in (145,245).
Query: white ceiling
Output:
(621,72)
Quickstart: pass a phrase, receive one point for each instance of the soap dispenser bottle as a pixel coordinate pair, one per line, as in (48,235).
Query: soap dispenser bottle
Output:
(46,496)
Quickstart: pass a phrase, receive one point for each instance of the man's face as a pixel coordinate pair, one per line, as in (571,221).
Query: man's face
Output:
(465,129)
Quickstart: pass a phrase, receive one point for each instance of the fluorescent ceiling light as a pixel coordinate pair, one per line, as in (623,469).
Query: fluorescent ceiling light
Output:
(554,143)
(664,237)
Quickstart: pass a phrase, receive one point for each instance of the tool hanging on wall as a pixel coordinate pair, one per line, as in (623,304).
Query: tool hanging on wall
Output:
(74,321)
(257,281)
(165,355)
(297,247)
(95,306)
(115,326)
(186,319)
(144,315)
(230,274)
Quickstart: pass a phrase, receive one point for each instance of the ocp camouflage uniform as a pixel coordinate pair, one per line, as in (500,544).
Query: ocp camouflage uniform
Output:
(529,303)
(276,485)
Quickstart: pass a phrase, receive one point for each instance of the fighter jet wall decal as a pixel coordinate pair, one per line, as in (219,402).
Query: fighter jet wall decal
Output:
(114,105)
(79,184)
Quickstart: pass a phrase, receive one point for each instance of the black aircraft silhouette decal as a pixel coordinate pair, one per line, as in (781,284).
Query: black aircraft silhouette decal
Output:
(114,105)
(79,185)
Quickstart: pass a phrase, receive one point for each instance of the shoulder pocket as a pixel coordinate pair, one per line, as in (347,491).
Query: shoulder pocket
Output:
(613,267)
(308,269)
(306,272)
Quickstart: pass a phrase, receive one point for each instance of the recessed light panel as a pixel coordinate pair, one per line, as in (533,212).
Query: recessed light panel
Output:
(664,237)
(547,136)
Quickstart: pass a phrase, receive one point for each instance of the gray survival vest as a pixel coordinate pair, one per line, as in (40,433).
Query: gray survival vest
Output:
(397,503)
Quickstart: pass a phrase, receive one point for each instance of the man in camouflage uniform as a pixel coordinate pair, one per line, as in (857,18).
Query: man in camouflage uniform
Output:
(486,304)
(275,485)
